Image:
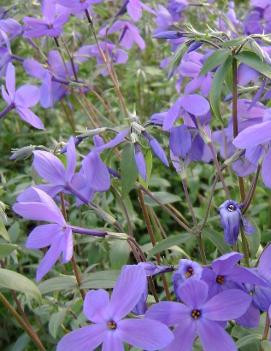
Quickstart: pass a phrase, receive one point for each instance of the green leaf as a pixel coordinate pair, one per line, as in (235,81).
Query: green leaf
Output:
(217,86)
(253,60)
(3,232)
(100,280)
(178,55)
(119,253)
(216,59)
(6,249)
(168,243)
(55,321)
(248,339)
(128,169)
(163,197)
(64,282)
(15,281)
(265,345)
(217,239)
(233,42)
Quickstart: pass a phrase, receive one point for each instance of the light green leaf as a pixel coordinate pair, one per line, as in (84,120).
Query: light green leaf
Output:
(3,232)
(15,281)
(214,60)
(128,169)
(100,280)
(63,282)
(119,253)
(248,339)
(163,197)
(168,243)
(55,321)
(265,345)
(254,61)
(217,86)
(6,249)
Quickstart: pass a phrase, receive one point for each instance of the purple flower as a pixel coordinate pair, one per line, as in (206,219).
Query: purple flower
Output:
(140,161)
(192,104)
(200,316)
(50,168)
(11,27)
(134,9)
(110,328)
(187,269)
(129,34)
(226,273)
(118,56)
(156,147)
(163,19)
(21,99)
(51,24)
(77,6)
(57,234)
(232,219)
(254,136)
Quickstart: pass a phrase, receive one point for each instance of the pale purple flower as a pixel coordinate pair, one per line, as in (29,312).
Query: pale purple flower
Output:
(11,27)
(77,6)
(199,316)
(57,234)
(129,34)
(140,161)
(187,269)
(110,327)
(134,9)
(21,99)
(225,273)
(51,24)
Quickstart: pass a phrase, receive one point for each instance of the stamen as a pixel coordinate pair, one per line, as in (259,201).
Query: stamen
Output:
(196,314)
(189,272)
(112,325)
(231,208)
(220,279)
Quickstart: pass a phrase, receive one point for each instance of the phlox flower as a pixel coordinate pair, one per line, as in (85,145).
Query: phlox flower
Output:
(198,315)
(21,99)
(110,327)
(51,24)
(36,205)
(77,6)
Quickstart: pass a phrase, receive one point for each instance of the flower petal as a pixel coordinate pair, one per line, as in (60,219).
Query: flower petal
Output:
(213,337)
(193,293)
(225,263)
(86,338)
(145,333)
(67,245)
(96,172)
(95,304)
(42,236)
(227,305)
(180,141)
(251,318)
(49,167)
(253,136)
(266,173)
(169,313)
(49,259)
(127,291)
(195,104)
(112,342)
(10,79)
(71,159)
(27,96)
(184,336)
(29,117)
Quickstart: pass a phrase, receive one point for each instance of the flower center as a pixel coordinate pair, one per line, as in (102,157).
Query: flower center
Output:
(195,314)
(112,325)
(189,272)
(231,208)
(220,279)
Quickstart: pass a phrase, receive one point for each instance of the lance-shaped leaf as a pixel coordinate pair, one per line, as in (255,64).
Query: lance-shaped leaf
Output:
(253,60)
(215,60)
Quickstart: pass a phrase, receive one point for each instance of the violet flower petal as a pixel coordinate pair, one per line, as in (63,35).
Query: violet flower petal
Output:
(194,293)
(95,304)
(42,236)
(184,336)
(49,167)
(169,313)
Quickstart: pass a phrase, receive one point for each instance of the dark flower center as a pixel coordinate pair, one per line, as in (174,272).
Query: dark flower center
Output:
(231,208)
(195,314)
(189,272)
(112,325)
(220,279)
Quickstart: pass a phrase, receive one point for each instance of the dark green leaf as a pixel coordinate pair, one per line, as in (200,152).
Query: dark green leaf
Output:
(119,253)
(217,86)
(6,249)
(128,169)
(64,282)
(99,280)
(217,239)
(253,60)
(163,197)
(168,243)
(216,59)
(55,322)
